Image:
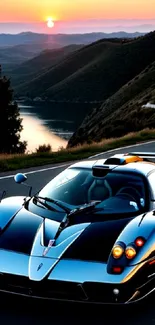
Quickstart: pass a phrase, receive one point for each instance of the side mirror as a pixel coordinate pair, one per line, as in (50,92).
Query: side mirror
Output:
(20,178)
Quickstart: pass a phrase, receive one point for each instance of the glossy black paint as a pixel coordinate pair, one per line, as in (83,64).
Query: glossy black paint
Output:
(19,234)
(96,242)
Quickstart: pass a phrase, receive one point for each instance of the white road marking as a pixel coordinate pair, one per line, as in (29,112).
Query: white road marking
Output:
(127,147)
(65,165)
(37,171)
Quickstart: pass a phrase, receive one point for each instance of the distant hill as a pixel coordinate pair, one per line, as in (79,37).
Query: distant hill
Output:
(59,40)
(123,112)
(110,70)
(39,64)
(73,66)
(16,49)
(12,56)
(95,72)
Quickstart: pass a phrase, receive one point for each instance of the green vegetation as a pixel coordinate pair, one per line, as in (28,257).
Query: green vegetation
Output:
(44,148)
(10,121)
(14,162)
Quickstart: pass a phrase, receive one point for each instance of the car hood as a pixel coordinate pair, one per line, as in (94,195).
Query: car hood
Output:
(27,233)
(96,241)
(84,241)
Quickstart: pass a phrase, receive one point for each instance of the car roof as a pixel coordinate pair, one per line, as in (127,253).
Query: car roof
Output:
(140,167)
(120,162)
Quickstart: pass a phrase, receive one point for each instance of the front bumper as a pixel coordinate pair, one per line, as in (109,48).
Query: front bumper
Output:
(88,292)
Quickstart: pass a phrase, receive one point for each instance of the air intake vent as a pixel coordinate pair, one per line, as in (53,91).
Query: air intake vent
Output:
(122,160)
(115,161)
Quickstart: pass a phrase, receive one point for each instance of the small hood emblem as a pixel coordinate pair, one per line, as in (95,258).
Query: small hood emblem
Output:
(50,244)
(40,266)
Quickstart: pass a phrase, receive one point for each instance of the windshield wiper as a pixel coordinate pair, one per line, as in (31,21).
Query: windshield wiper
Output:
(44,204)
(88,207)
(83,208)
(66,220)
(43,201)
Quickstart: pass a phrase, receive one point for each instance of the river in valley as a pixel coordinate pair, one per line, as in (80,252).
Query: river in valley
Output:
(50,123)
(38,131)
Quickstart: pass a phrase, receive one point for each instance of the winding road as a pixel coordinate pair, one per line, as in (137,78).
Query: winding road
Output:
(19,310)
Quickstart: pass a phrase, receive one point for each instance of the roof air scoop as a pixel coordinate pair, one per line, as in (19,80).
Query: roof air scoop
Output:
(115,161)
(122,159)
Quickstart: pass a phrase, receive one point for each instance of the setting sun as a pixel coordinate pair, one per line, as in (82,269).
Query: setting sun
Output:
(50,23)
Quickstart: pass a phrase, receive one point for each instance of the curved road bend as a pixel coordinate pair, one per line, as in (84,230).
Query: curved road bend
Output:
(19,310)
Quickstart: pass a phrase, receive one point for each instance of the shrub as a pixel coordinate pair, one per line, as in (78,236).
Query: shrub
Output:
(44,148)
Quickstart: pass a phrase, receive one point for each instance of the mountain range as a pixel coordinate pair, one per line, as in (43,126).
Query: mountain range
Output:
(91,73)
(59,40)
(16,49)
(116,75)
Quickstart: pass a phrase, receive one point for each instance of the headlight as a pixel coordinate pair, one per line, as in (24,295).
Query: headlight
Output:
(130,252)
(117,251)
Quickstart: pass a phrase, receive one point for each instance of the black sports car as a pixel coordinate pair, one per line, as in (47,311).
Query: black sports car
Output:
(87,236)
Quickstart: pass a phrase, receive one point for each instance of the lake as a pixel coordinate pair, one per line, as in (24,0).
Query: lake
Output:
(50,123)
(36,131)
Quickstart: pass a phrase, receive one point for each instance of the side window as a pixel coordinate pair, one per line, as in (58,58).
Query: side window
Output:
(151,179)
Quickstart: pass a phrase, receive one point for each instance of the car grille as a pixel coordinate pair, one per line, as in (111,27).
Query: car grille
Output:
(45,289)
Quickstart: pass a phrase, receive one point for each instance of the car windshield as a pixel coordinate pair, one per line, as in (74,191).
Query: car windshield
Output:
(118,192)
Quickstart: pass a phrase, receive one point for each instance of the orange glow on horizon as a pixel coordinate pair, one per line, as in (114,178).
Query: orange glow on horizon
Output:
(67,10)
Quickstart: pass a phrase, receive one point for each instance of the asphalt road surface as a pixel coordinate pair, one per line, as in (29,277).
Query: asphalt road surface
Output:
(19,310)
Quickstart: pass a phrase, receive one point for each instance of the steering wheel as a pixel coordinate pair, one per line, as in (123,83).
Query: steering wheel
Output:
(131,192)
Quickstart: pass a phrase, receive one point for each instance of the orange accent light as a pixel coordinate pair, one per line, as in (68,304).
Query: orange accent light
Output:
(130,252)
(117,251)
(131,159)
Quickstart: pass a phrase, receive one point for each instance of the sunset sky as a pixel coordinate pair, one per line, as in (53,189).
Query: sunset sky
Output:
(79,14)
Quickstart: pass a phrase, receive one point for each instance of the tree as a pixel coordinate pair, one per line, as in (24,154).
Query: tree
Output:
(10,121)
